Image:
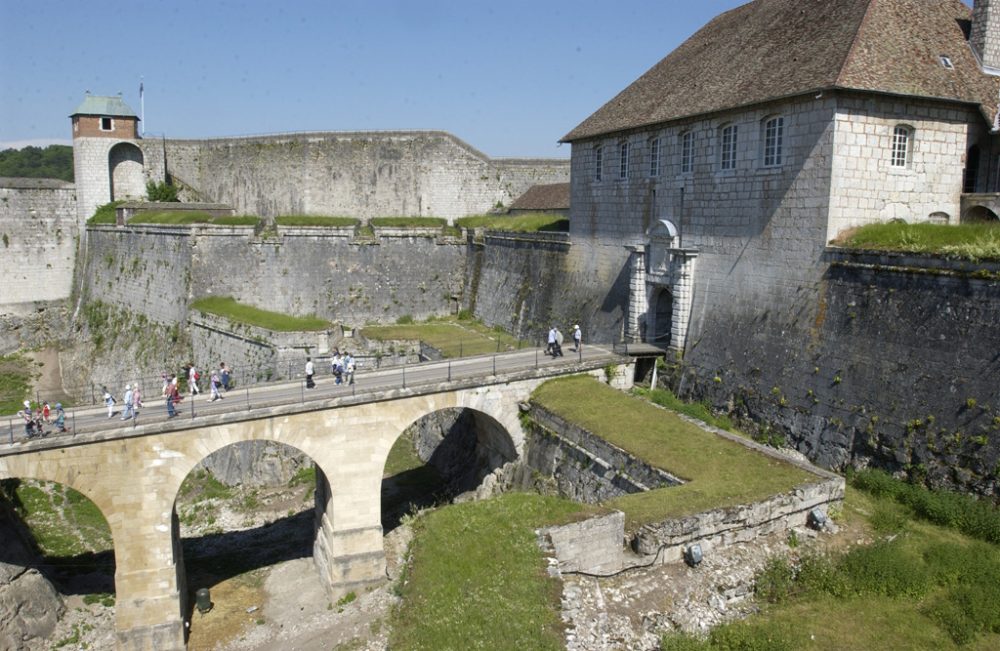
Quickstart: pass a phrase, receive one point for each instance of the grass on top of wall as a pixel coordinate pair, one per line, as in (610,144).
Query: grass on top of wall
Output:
(409,222)
(228,307)
(105,214)
(316,220)
(964,241)
(718,472)
(477,578)
(173,217)
(452,337)
(237,220)
(527,223)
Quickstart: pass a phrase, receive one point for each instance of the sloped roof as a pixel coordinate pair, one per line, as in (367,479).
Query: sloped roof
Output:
(552,196)
(770,49)
(113,106)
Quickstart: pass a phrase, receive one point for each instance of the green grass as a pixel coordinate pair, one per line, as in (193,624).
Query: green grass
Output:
(402,457)
(926,587)
(700,410)
(527,223)
(316,220)
(966,241)
(105,214)
(63,521)
(174,217)
(477,578)
(718,472)
(452,337)
(237,220)
(15,382)
(409,222)
(227,307)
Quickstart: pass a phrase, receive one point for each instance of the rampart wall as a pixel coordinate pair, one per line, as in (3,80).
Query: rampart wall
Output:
(38,238)
(357,174)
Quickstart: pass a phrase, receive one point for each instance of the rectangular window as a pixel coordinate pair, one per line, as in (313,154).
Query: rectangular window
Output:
(654,157)
(900,146)
(623,168)
(774,132)
(727,158)
(687,152)
(598,162)
(107,124)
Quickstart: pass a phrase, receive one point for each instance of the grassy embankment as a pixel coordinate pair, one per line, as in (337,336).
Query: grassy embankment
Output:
(227,307)
(453,336)
(15,382)
(965,241)
(527,223)
(918,586)
(316,220)
(718,472)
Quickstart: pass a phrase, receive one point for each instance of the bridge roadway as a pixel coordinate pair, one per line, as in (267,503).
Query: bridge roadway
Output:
(369,385)
(133,471)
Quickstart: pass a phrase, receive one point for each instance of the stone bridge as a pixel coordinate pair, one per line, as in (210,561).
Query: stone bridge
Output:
(133,474)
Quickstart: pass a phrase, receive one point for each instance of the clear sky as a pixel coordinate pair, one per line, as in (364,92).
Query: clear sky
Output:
(510,78)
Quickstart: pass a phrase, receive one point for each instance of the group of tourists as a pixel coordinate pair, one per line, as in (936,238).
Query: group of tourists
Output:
(131,400)
(555,341)
(37,419)
(342,369)
(218,382)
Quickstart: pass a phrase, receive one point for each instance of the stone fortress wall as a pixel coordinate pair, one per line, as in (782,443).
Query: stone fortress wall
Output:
(354,174)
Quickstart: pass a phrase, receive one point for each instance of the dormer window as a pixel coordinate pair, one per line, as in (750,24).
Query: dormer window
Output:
(946,62)
(107,124)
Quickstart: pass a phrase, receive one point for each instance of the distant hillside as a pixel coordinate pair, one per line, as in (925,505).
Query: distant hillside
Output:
(52,162)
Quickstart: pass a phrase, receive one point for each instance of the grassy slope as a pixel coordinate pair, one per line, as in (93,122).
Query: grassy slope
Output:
(316,220)
(967,241)
(227,307)
(15,382)
(477,578)
(720,472)
(452,338)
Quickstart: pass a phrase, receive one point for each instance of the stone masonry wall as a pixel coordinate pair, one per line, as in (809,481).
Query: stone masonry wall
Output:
(357,174)
(38,239)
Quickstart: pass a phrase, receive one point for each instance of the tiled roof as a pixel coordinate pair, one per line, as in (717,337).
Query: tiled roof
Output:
(554,196)
(770,49)
(113,106)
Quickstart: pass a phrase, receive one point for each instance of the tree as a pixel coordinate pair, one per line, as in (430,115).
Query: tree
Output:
(162,191)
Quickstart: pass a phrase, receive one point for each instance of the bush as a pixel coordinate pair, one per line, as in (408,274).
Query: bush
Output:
(162,191)
(747,636)
(775,582)
(884,569)
(105,214)
(681,642)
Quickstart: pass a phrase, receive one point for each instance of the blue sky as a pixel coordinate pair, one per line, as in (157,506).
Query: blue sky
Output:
(510,78)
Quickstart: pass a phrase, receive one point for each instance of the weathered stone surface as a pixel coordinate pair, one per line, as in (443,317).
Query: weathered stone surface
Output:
(29,606)
(255,463)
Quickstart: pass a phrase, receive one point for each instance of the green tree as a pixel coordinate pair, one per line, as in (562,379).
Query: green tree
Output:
(163,191)
(52,162)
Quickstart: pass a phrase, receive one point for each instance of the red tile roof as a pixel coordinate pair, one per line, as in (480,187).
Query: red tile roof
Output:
(771,49)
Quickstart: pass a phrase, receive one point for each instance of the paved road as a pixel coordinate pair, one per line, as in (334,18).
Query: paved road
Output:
(367,383)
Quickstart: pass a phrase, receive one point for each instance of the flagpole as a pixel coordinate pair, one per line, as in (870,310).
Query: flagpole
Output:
(142,111)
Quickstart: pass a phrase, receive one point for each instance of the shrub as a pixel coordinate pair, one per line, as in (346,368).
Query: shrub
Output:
(884,569)
(774,583)
(105,214)
(162,191)
(681,642)
(748,636)
(406,319)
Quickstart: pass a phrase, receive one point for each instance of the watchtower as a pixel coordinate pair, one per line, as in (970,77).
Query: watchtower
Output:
(107,159)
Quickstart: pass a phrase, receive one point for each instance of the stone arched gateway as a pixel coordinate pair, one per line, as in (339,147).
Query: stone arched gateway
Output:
(661,289)
(125,171)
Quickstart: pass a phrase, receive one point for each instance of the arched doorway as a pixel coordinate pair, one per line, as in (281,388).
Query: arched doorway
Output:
(663,316)
(125,169)
(971,181)
(978,214)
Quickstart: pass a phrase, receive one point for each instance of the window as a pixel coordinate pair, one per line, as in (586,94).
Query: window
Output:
(598,162)
(107,124)
(901,138)
(946,62)
(774,135)
(623,168)
(687,152)
(727,151)
(654,157)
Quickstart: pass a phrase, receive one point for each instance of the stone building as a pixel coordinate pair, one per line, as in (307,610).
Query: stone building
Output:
(716,179)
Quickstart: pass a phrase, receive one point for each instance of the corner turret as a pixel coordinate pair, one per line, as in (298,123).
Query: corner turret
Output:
(985,35)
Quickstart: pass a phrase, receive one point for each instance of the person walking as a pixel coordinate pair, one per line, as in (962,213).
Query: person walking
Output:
(60,421)
(577,339)
(29,423)
(309,373)
(557,351)
(165,391)
(136,398)
(224,376)
(173,397)
(128,412)
(193,377)
(349,366)
(551,348)
(215,383)
(109,402)
(337,367)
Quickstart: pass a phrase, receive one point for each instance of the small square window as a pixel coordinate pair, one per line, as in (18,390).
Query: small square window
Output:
(107,124)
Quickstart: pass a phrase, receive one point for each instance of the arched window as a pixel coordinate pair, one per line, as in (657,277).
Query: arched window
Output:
(654,157)
(902,146)
(773,139)
(727,147)
(598,162)
(687,152)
